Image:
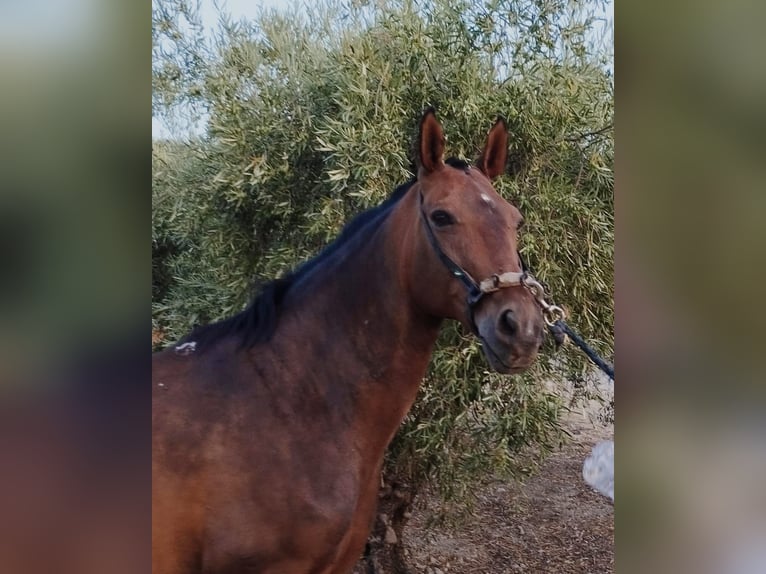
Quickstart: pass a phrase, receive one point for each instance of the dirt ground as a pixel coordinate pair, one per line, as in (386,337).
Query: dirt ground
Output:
(551,523)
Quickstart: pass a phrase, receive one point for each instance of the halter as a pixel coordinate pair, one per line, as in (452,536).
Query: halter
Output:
(553,314)
(476,290)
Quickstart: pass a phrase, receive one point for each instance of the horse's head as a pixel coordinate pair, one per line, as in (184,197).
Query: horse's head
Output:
(466,265)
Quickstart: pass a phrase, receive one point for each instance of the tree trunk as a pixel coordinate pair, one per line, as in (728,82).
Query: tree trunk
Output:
(384,553)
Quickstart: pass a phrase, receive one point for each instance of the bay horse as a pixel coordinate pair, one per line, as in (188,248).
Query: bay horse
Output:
(270,427)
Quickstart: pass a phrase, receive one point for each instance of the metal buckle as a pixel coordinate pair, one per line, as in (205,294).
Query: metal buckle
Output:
(551,313)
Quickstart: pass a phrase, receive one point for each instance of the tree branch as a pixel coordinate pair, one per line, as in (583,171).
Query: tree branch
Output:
(588,134)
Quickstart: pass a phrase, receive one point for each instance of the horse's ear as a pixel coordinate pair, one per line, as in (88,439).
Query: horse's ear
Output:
(492,160)
(430,152)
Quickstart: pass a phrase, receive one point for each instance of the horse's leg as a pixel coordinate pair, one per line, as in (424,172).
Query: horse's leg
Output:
(351,553)
(166,560)
(176,523)
(169,556)
(352,547)
(172,553)
(250,566)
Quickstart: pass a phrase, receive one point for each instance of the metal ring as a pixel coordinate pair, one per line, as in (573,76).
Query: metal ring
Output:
(553,313)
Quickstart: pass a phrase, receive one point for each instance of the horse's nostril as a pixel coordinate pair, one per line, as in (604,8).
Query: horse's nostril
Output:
(508,323)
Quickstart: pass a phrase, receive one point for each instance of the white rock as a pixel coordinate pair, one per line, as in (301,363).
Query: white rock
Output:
(598,469)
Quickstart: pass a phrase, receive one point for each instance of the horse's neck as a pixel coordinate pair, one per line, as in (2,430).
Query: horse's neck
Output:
(380,343)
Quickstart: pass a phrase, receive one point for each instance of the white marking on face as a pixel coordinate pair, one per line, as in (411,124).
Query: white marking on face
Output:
(486,199)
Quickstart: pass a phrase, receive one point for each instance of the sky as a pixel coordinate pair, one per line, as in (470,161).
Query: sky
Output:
(238,8)
(248,9)
(209,10)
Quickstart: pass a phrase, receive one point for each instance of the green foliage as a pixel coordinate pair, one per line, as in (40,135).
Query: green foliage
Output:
(310,120)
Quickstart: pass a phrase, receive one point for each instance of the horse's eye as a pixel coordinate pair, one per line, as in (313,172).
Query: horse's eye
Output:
(441,218)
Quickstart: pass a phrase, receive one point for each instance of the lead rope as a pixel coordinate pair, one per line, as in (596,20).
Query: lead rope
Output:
(554,318)
(585,348)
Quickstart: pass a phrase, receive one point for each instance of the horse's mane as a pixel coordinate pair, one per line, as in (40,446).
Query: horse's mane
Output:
(258,321)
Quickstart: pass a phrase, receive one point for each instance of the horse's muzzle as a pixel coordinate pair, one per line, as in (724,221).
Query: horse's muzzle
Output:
(511,338)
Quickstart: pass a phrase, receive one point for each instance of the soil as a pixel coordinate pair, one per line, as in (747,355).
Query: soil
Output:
(553,522)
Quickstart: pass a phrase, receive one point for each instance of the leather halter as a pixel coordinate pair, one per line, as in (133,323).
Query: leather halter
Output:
(476,290)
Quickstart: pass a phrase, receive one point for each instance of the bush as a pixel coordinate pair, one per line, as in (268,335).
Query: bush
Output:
(308,121)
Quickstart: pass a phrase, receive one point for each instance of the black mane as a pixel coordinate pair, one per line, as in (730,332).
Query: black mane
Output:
(258,321)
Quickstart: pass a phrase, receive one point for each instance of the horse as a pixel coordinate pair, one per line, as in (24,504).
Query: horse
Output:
(270,427)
